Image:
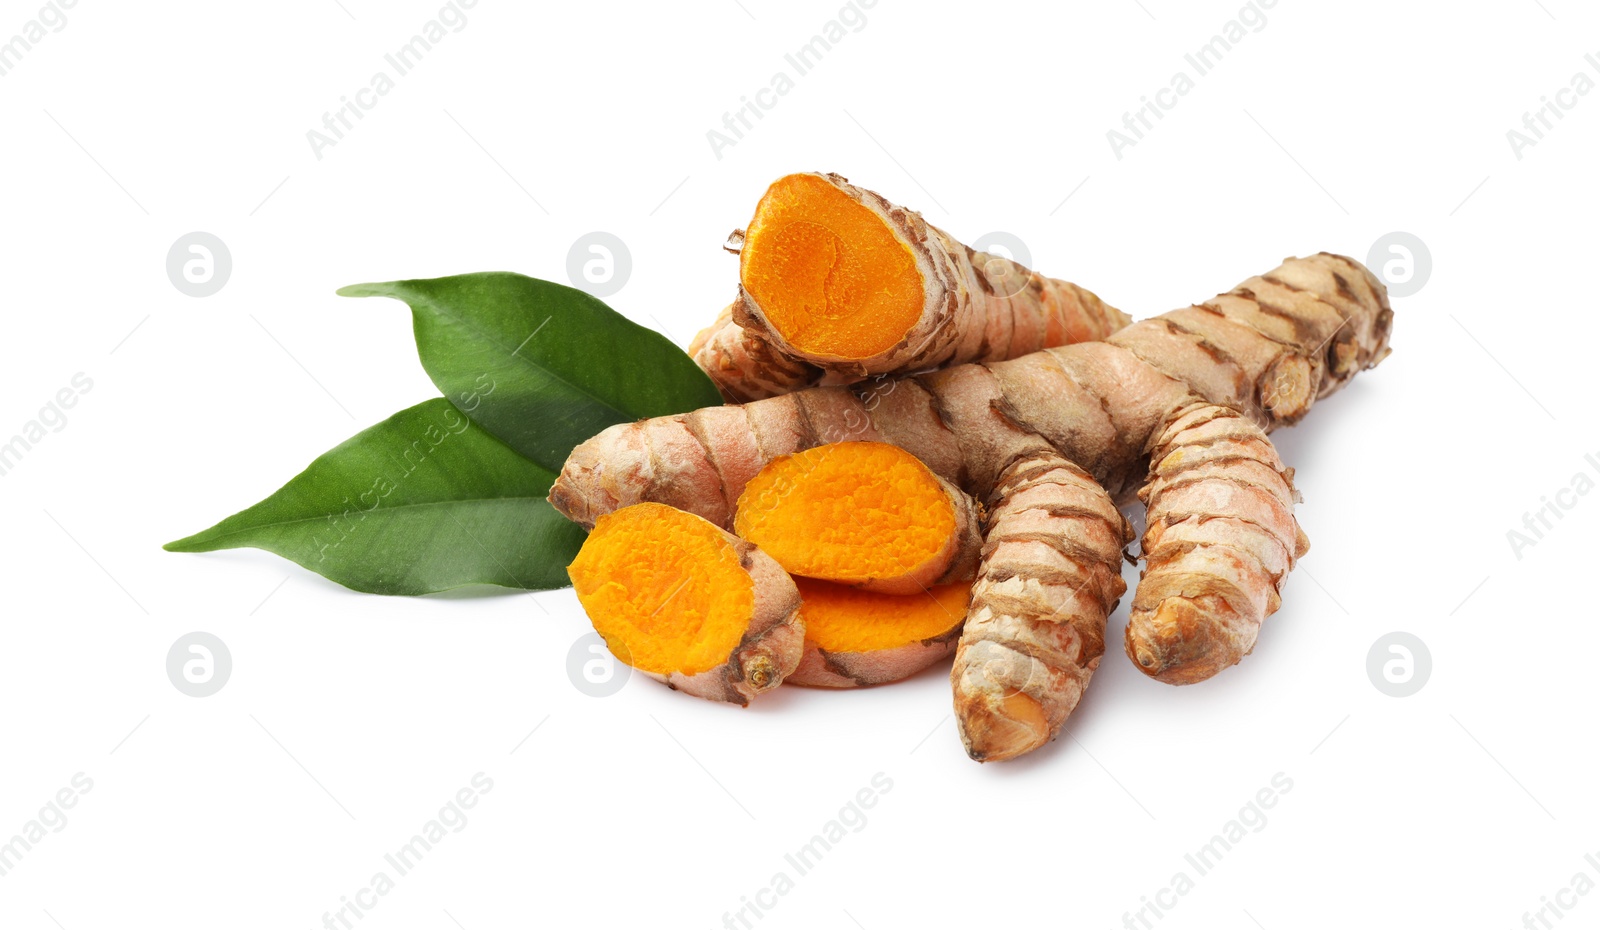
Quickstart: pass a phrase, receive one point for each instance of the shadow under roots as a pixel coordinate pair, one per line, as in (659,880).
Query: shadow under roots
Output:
(1299,446)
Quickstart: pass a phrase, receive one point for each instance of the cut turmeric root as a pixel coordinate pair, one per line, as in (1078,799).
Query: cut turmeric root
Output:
(856,638)
(689,604)
(864,514)
(1178,389)
(838,284)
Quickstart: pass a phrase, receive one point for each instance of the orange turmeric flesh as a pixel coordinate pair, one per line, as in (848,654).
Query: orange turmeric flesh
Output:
(844,619)
(665,589)
(830,275)
(859,513)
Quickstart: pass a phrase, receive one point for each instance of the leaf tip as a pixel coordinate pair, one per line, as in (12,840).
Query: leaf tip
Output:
(199,542)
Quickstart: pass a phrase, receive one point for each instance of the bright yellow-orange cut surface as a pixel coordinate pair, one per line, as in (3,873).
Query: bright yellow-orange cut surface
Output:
(849,512)
(839,618)
(830,275)
(664,588)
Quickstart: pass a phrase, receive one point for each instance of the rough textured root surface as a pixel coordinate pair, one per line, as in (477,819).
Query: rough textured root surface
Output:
(1052,573)
(1220,541)
(1269,349)
(856,638)
(745,366)
(689,604)
(865,514)
(820,318)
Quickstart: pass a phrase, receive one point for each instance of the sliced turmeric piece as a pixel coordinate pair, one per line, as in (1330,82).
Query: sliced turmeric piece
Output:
(689,604)
(866,514)
(856,638)
(830,276)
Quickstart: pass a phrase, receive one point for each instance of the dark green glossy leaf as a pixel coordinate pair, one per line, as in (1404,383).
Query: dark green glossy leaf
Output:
(540,365)
(424,501)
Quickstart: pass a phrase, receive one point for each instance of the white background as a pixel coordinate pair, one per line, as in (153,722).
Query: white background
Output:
(350,720)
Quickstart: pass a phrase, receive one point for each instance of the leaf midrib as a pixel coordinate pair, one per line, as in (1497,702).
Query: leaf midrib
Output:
(420,504)
(434,305)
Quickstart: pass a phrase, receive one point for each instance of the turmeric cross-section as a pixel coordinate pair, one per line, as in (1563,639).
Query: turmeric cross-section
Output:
(687,603)
(856,637)
(861,513)
(830,275)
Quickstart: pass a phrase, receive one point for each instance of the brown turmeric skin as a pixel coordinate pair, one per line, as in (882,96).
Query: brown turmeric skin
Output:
(837,284)
(1051,575)
(1139,410)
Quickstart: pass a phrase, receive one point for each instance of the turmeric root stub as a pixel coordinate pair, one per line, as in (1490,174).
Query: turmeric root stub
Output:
(689,604)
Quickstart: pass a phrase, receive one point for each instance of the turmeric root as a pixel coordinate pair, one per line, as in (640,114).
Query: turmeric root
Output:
(863,514)
(1052,574)
(689,604)
(838,284)
(1220,539)
(1258,357)
(856,638)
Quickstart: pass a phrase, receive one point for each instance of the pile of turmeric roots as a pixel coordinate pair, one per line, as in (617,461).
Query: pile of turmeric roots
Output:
(924,451)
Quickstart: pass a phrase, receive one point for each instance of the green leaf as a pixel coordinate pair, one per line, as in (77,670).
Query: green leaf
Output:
(540,365)
(424,501)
